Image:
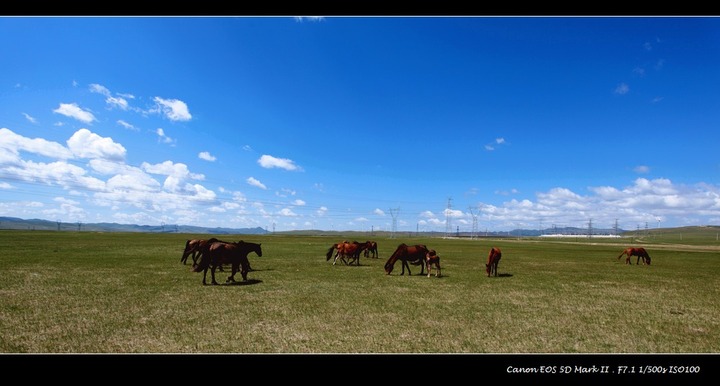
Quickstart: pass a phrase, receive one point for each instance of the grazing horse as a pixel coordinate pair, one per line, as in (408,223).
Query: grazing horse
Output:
(219,253)
(433,259)
(346,250)
(639,252)
(414,255)
(493,260)
(371,249)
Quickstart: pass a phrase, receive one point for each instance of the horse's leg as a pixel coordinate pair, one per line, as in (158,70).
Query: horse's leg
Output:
(205,275)
(245,267)
(234,270)
(212,271)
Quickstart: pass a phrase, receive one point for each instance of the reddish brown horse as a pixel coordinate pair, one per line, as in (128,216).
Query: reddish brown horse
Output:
(432,259)
(346,250)
(194,248)
(493,260)
(371,249)
(219,253)
(641,253)
(414,254)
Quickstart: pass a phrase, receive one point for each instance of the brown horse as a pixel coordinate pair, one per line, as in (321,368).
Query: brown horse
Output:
(432,259)
(194,248)
(414,255)
(639,252)
(219,253)
(493,260)
(346,250)
(371,249)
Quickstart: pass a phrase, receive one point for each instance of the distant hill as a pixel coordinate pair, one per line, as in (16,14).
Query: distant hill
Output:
(37,224)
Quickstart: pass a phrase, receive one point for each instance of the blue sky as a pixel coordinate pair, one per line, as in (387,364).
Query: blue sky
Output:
(342,123)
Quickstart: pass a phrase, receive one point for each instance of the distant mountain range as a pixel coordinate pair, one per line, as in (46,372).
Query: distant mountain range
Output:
(37,224)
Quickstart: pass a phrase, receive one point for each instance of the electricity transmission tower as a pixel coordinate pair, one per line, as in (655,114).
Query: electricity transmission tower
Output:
(448,226)
(394,213)
(473,233)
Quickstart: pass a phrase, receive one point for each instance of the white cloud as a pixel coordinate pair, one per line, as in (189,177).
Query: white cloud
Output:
(206,156)
(127,125)
(117,102)
(173,109)
(169,168)
(164,138)
(86,144)
(309,18)
(73,111)
(622,89)
(270,162)
(287,212)
(322,211)
(254,182)
(12,144)
(378,212)
(99,89)
(642,169)
(298,202)
(29,118)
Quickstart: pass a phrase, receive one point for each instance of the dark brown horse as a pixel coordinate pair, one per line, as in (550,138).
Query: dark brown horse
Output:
(219,253)
(371,249)
(414,255)
(492,262)
(641,253)
(432,259)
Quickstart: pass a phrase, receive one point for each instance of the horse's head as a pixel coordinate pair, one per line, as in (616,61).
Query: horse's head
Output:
(647,259)
(257,248)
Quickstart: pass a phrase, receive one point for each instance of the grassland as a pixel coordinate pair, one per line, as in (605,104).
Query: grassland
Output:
(84,292)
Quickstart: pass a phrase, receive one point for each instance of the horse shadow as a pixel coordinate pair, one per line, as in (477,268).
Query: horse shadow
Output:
(243,282)
(504,274)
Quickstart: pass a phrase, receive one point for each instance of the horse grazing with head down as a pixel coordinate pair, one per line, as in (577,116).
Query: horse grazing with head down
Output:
(492,262)
(414,254)
(641,253)
(219,253)
(432,259)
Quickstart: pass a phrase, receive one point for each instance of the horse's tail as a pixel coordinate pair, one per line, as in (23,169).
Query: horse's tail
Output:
(621,255)
(204,262)
(329,253)
(185,252)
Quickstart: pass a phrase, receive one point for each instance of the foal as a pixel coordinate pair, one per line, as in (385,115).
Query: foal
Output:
(433,259)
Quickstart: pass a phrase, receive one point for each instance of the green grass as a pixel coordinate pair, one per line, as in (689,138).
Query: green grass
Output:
(82,292)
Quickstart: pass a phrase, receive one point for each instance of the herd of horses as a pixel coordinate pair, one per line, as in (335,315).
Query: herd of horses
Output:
(212,254)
